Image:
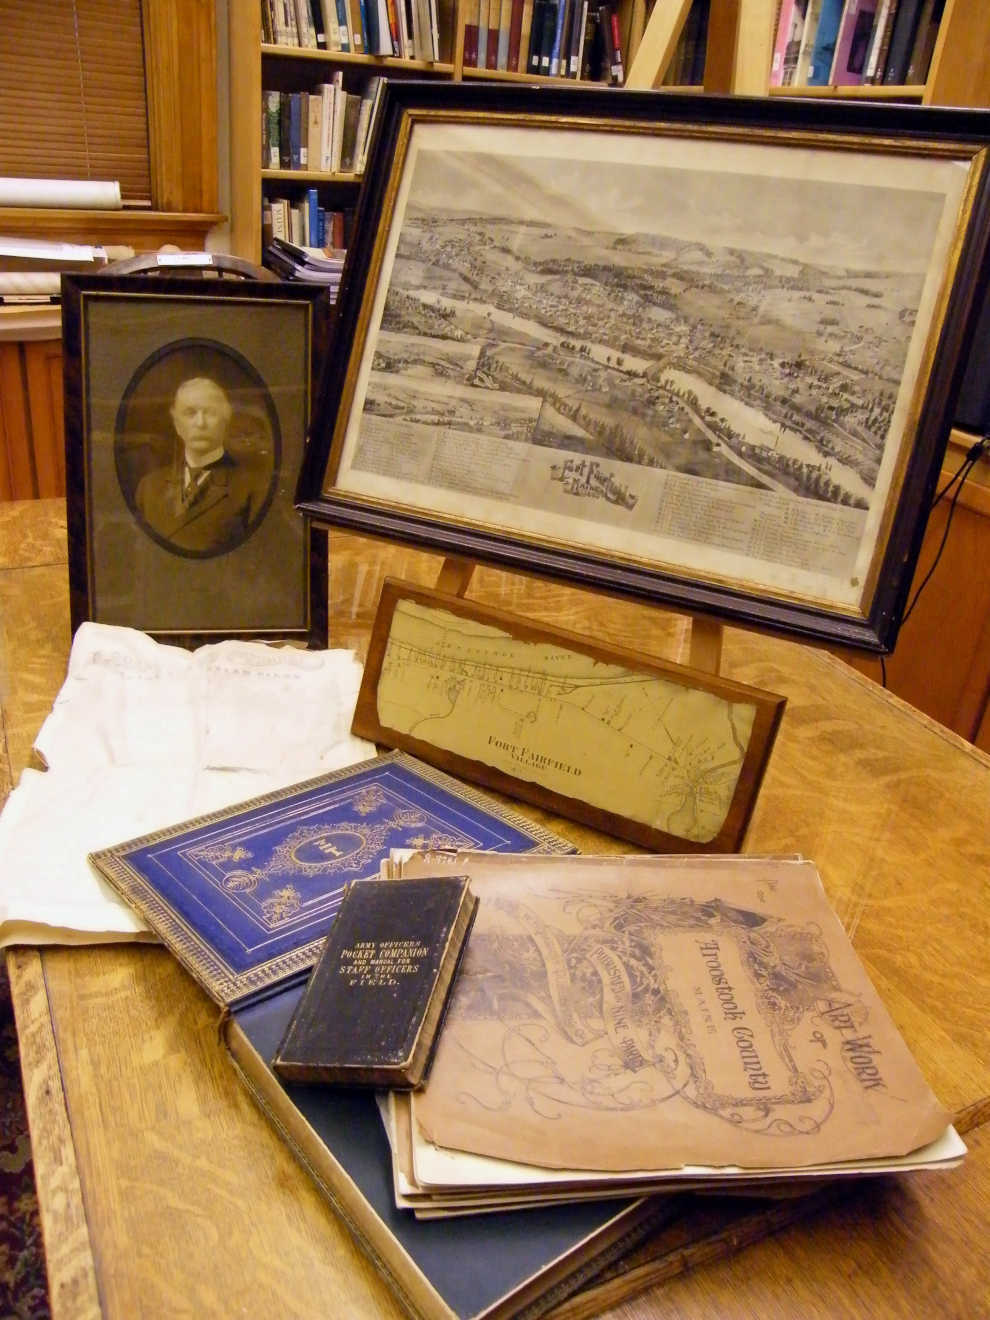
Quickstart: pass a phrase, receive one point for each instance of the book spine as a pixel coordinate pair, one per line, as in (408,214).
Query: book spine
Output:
(515,36)
(272,130)
(392,10)
(403,11)
(811,19)
(355,26)
(570,17)
(304,25)
(558,33)
(385,46)
(314,136)
(279,225)
(924,42)
(878,38)
(536,32)
(470,51)
(348,146)
(783,36)
(504,28)
(319,24)
(577,39)
(618,68)
(295,130)
(591,54)
(328,94)
(546,36)
(491,46)
(284,131)
(482,51)
(369,24)
(853,41)
(823,55)
(361,136)
(901,42)
(339,108)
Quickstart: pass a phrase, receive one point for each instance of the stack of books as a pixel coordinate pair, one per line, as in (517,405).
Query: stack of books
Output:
(310,265)
(647,1024)
(845,43)
(614,1030)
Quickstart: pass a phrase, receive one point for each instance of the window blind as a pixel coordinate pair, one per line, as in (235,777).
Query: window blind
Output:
(72,93)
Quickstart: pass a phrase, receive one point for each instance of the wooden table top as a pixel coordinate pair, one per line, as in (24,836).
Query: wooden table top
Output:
(164,1192)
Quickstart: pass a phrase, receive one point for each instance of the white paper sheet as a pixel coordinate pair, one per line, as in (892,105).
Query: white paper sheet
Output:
(142,736)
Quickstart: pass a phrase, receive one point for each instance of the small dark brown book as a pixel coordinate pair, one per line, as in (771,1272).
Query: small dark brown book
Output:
(372,1010)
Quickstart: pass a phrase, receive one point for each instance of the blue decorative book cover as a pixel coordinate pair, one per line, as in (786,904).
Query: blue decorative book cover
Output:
(245,897)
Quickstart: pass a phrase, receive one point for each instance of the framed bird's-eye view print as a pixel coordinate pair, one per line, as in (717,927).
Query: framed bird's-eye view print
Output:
(188,403)
(699,351)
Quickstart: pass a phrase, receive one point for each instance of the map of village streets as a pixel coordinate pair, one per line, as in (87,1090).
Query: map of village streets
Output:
(665,754)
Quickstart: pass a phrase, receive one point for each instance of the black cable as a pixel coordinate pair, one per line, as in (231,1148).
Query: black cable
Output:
(973,456)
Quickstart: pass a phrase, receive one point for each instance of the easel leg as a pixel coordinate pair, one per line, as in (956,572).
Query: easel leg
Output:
(705,646)
(455,576)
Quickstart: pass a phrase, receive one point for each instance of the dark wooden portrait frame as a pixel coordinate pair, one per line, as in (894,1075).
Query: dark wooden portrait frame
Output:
(241,561)
(701,351)
(631,739)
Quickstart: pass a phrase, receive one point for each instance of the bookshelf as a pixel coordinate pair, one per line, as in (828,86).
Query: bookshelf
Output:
(740,49)
(737,59)
(257,66)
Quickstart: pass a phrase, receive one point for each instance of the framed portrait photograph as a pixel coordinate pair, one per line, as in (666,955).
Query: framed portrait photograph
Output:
(700,351)
(187,404)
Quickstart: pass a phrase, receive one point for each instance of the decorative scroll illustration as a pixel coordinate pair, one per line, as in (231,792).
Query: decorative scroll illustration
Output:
(643,1013)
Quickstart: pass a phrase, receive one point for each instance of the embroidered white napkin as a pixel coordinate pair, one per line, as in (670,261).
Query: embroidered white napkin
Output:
(143,735)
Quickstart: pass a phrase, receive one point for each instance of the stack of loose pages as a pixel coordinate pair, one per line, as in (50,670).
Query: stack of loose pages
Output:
(628,1025)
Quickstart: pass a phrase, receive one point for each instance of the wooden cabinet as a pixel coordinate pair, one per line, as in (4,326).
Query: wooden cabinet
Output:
(32,446)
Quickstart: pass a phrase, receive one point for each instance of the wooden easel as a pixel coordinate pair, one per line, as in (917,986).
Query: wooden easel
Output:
(739,50)
(704,646)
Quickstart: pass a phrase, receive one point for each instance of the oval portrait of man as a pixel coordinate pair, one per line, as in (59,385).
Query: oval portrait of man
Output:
(197,448)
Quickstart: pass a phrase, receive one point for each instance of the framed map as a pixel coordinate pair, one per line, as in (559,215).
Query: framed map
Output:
(656,753)
(699,351)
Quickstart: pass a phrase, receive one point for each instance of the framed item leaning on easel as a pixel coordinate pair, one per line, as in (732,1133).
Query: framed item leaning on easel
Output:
(696,351)
(657,753)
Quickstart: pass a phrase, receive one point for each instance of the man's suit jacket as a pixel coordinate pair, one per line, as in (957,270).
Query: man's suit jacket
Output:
(218,515)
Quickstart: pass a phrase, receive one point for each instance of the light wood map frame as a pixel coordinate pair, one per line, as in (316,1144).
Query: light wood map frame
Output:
(650,751)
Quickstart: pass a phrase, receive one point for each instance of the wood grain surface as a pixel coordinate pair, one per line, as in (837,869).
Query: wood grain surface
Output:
(187,1202)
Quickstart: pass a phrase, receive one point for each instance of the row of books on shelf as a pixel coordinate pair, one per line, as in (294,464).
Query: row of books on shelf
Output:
(847,43)
(406,29)
(305,222)
(325,130)
(547,38)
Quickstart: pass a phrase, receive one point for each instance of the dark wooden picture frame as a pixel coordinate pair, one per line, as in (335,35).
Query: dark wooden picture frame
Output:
(603,735)
(192,552)
(701,351)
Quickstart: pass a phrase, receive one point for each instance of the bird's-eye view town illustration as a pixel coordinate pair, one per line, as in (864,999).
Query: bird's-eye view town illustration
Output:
(734,328)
